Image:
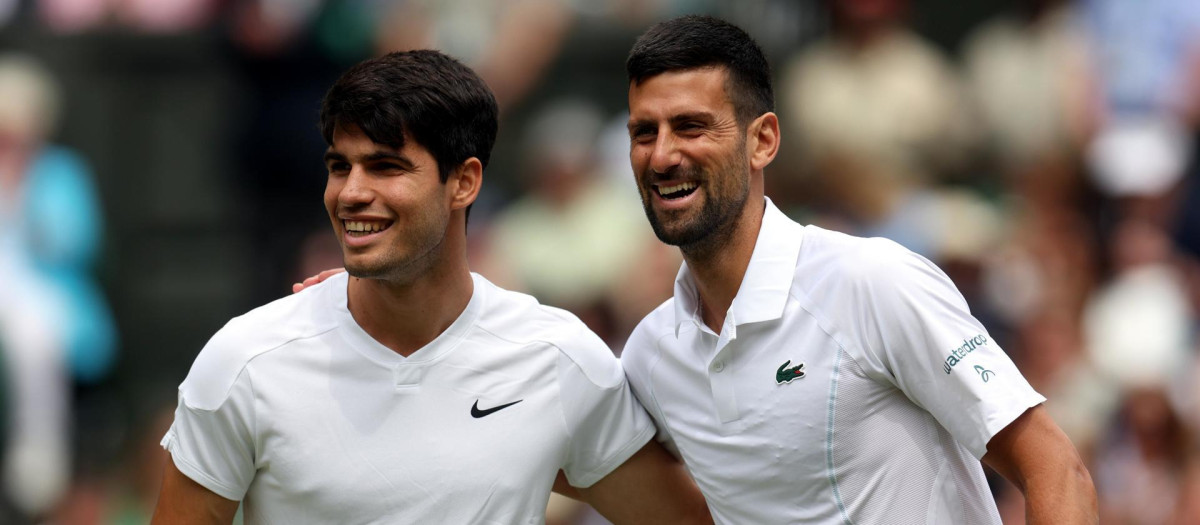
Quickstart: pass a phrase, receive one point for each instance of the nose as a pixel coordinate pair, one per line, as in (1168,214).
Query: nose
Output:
(665,156)
(356,191)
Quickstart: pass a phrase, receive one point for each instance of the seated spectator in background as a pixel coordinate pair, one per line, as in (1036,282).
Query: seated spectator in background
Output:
(54,322)
(51,203)
(876,115)
(1030,78)
(1146,57)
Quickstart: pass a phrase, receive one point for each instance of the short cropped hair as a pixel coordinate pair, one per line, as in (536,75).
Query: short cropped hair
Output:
(692,42)
(439,102)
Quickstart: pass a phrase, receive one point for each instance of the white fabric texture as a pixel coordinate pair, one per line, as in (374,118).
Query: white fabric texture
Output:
(296,411)
(890,415)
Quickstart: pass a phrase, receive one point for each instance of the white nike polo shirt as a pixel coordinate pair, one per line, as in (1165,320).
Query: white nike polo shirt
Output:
(849,384)
(295,410)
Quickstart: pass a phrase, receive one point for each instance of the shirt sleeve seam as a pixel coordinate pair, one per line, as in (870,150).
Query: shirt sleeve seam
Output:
(198,475)
(1004,418)
(615,460)
(253,417)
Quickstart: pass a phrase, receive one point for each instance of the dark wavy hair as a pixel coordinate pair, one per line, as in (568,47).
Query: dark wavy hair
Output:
(428,96)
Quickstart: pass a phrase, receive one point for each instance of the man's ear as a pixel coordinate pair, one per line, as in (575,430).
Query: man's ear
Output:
(462,187)
(762,140)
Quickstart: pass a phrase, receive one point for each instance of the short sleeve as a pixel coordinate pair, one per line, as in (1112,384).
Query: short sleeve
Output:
(918,332)
(215,446)
(606,423)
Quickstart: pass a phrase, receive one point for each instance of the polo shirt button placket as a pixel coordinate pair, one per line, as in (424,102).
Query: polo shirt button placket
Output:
(723,387)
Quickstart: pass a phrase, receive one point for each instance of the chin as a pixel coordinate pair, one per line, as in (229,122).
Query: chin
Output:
(364,269)
(679,235)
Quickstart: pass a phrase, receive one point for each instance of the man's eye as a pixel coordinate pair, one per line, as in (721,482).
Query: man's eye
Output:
(388,167)
(641,134)
(338,167)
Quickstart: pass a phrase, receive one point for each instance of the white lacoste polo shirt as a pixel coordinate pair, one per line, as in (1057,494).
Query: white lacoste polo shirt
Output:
(294,409)
(849,384)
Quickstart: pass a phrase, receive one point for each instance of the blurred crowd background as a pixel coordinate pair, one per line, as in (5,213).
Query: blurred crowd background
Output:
(160,172)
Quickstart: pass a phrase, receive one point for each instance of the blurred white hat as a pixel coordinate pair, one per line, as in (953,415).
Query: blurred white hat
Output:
(1137,329)
(1139,156)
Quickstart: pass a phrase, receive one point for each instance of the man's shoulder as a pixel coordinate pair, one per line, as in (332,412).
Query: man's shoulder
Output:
(659,321)
(520,319)
(850,259)
(286,319)
(259,331)
(643,341)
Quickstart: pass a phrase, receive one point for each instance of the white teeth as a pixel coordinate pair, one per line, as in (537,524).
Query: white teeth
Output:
(667,190)
(364,226)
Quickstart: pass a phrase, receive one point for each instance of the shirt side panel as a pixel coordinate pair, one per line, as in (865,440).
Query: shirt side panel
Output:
(894,463)
(906,323)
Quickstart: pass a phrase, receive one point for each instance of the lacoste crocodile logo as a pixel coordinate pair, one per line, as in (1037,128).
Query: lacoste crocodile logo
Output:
(787,375)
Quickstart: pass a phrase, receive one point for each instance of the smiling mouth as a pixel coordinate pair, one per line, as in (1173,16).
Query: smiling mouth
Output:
(677,191)
(364,228)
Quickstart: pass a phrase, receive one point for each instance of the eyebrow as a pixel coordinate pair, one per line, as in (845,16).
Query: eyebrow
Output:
(675,119)
(331,155)
(695,115)
(374,156)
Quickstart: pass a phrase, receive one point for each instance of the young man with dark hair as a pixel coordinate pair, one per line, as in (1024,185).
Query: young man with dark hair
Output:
(806,376)
(410,390)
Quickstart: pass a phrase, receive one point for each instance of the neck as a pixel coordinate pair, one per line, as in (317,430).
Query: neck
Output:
(406,316)
(718,272)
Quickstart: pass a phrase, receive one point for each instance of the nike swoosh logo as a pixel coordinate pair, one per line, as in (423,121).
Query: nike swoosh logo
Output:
(477,413)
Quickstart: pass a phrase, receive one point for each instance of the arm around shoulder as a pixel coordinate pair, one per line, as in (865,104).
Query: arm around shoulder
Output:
(651,487)
(183,501)
(1036,456)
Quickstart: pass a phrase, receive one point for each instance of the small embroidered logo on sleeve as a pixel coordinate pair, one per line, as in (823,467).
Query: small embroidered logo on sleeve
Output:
(787,375)
(984,373)
(960,353)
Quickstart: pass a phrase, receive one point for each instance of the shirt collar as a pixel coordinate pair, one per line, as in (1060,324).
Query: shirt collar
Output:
(768,280)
